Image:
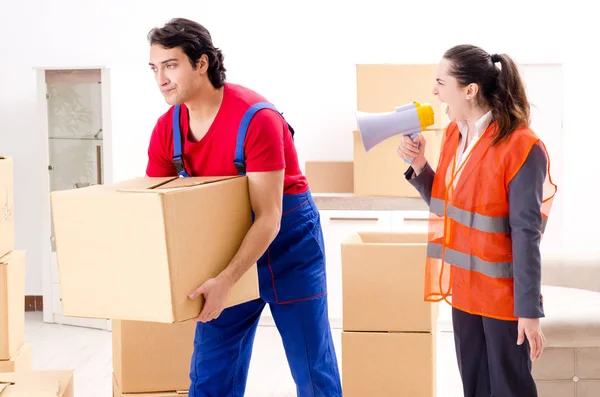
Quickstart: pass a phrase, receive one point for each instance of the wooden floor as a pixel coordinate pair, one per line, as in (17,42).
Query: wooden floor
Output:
(89,353)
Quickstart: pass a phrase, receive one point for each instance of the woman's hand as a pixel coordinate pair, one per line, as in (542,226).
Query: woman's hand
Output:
(530,328)
(414,151)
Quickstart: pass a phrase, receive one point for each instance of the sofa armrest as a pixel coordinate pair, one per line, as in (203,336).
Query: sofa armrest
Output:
(564,270)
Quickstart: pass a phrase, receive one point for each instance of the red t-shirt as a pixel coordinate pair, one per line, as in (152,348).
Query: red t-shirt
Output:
(268,146)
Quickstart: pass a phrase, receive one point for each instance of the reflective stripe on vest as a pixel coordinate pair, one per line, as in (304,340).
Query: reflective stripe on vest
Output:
(484,223)
(470,262)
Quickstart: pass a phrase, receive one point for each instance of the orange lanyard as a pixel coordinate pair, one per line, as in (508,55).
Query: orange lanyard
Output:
(455,172)
(450,187)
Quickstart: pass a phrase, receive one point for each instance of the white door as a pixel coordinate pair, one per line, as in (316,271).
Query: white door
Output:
(73,121)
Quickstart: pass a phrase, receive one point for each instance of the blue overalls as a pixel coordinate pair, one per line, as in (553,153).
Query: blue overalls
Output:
(292,281)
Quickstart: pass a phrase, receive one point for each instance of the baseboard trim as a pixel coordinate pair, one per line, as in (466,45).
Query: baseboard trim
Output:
(34,303)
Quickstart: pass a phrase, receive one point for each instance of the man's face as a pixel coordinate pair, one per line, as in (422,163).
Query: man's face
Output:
(177,80)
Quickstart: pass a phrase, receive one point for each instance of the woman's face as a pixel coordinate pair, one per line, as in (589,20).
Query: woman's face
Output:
(448,91)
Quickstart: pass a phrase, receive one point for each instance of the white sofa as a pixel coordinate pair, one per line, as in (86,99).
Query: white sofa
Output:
(570,364)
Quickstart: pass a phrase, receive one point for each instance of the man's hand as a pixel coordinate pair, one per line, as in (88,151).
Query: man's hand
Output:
(215,291)
(530,328)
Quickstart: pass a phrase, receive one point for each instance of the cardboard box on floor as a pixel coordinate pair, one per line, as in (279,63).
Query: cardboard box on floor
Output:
(382,88)
(152,357)
(134,250)
(388,364)
(12,303)
(22,361)
(37,384)
(383,278)
(7,219)
(117,392)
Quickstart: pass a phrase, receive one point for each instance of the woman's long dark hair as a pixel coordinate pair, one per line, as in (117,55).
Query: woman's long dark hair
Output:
(502,89)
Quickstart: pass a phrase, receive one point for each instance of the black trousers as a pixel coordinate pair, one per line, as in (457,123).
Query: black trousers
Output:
(490,362)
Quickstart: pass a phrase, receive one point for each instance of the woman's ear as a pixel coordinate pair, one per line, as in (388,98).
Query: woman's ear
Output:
(471,91)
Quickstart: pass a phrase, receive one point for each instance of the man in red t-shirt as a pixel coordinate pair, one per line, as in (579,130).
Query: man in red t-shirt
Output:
(216,128)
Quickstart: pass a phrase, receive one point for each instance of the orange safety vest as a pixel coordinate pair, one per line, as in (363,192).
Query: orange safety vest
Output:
(469,253)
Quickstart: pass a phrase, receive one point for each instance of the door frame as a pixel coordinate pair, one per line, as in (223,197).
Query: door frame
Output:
(49,316)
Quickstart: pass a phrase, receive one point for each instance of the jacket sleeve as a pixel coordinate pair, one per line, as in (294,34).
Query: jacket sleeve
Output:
(422,182)
(525,192)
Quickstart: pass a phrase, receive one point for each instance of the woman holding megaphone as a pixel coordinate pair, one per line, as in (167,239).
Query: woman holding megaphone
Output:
(489,201)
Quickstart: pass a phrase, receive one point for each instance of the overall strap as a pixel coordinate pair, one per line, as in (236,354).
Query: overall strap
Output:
(239,161)
(177,153)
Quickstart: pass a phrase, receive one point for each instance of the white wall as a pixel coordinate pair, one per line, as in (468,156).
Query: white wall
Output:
(299,64)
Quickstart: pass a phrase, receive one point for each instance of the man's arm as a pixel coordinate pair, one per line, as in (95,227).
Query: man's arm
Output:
(265,165)
(525,192)
(266,198)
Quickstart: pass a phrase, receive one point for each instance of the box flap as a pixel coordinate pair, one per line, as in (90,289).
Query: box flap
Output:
(195,181)
(30,389)
(35,383)
(12,255)
(386,238)
(164,185)
(143,184)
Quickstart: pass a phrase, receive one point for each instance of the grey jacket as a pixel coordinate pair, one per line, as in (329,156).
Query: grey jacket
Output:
(525,192)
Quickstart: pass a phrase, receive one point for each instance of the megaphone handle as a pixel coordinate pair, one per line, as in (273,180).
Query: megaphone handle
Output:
(413,136)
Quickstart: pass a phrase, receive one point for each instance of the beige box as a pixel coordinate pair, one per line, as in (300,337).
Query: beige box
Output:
(7,218)
(382,88)
(330,176)
(22,361)
(386,364)
(134,250)
(380,172)
(383,278)
(117,392)
(37,384)
(152,357)
(12,303)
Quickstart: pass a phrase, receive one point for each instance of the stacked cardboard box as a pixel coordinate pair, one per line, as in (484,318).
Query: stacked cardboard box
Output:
(151,357)
(15,355)
(388,338)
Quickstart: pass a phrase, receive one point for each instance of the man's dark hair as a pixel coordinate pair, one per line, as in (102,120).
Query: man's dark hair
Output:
(195,40)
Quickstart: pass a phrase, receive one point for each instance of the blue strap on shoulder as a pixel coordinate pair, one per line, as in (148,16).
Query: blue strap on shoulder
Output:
(177,152)
(240,162)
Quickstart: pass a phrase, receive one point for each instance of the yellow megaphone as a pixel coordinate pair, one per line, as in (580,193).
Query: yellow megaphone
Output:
(410,119)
